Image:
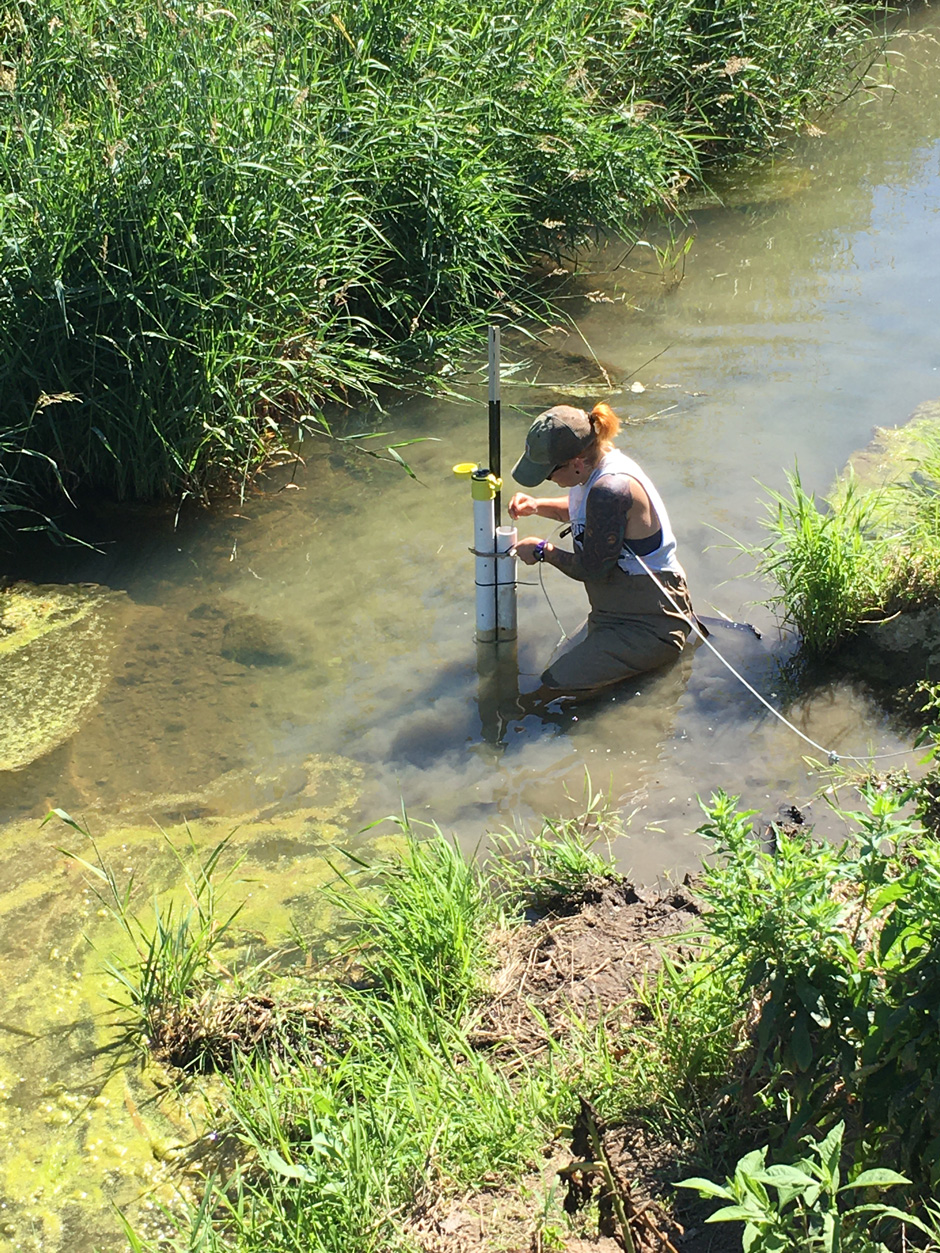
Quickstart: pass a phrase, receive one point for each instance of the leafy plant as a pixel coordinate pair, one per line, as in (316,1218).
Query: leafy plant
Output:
(838,949)
(797,1207)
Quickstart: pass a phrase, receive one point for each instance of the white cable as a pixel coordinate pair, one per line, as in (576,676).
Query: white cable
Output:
(832,756)
(564,633)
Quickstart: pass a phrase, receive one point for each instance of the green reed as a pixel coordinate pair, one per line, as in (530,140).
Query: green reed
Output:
(217,221)
(859,556)
(826,562)
(172,949)
(422,931)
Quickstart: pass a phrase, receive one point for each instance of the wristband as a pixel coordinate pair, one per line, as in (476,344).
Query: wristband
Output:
(539,550)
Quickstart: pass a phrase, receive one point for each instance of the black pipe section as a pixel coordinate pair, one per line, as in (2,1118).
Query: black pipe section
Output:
(494,416)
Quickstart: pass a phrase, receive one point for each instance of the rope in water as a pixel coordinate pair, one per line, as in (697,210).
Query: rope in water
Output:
(833,758)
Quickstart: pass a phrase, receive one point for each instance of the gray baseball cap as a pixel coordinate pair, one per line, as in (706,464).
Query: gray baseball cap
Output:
(556,437)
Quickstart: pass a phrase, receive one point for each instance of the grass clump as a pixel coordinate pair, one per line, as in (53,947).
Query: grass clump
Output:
(559,867)
(825,562)
(424,929)
(859,556)
(166,978)
(219,221)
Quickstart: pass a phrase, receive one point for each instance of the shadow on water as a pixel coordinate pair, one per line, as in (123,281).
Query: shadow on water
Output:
(502,712)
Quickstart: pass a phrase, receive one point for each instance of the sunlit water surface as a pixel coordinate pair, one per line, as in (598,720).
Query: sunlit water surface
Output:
(305,663)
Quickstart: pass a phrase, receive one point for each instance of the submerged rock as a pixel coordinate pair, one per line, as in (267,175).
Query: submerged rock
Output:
(253,641)
(55,649)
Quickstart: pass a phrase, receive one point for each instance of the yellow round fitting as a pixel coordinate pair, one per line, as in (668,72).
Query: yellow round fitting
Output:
(485,488)
(464,469)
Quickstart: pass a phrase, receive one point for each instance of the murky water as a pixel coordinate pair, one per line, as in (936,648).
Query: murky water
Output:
(306,661)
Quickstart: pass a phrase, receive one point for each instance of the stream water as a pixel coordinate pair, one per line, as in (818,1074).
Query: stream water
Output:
(304,664)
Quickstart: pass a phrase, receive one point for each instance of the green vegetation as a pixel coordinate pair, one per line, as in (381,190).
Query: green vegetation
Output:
(173,951)
(556,867)
(861,555)
(827,564)
(805,1210)
(793,1032)
(217,221)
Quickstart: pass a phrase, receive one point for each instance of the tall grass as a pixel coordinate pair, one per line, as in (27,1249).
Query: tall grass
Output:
(423,930)
(825,562)
(217,220)
(557,866)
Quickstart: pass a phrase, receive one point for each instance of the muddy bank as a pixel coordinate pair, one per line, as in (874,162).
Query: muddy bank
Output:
(564,973)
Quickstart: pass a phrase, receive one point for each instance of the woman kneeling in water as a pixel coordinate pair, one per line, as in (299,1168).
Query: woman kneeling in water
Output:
(616,515)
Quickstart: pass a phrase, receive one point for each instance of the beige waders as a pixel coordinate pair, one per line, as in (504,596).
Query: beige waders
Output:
(631,628)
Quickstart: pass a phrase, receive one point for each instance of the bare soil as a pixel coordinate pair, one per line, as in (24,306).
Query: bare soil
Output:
(583,963)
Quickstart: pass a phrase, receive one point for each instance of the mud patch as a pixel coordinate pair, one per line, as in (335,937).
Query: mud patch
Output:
(585,966)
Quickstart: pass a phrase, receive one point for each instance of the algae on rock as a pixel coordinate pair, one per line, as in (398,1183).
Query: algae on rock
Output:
(55,648)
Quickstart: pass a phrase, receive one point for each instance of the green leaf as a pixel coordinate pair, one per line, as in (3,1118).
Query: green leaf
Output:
(801,1043)
(879,1177)
(289,1170)
(889,1211)
(751,1162)
(86,865)
(705,1187)
(891,892)
(830,1152)
(736,1213)
(396,456)
(777,1175)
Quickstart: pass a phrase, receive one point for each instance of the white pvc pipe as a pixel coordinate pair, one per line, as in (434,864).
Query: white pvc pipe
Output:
(484,544)
(505,583)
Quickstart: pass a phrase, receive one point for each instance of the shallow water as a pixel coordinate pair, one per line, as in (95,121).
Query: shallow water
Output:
(321,635)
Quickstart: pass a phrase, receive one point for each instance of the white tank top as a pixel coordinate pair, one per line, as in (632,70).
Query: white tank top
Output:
(616,462)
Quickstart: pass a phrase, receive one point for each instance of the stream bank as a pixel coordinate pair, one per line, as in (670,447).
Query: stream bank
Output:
(665,1033)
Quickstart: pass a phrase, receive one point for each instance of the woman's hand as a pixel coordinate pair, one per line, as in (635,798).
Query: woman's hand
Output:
(525,550)
(523,506)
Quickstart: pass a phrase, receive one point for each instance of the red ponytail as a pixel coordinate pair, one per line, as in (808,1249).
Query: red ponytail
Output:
(606,425)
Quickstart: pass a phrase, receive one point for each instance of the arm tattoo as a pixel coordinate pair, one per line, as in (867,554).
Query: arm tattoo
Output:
(608,506)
